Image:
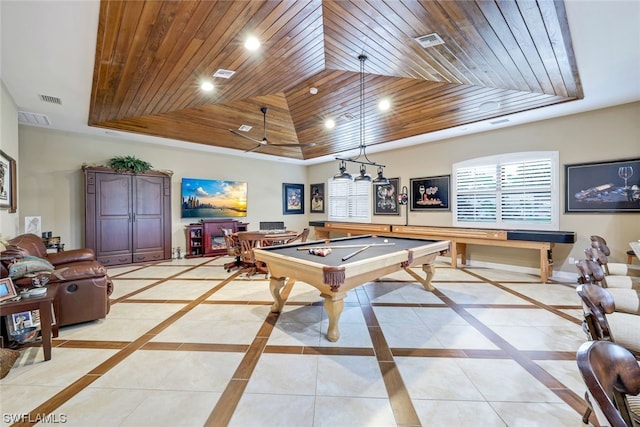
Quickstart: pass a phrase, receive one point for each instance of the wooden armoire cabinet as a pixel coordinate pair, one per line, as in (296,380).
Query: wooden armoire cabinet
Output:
(127,216)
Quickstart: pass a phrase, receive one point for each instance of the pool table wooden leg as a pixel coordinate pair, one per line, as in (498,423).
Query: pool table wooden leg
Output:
(429,269)
(333,308)
(276,284)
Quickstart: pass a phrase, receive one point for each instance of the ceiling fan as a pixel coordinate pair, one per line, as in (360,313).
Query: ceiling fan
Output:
(264,142)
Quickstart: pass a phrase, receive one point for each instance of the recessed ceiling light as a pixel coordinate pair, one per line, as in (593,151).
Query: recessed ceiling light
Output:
(329,124)
(206,86)
(313,90)
(384,105)
(252,43)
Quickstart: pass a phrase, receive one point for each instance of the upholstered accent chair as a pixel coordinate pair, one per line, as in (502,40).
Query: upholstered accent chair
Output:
(83,283)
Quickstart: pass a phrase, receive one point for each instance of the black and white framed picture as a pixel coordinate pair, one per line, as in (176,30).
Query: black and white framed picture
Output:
(430,193)
(385,198)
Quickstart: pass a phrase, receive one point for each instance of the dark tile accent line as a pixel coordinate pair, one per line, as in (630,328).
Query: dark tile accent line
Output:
(567,395)
(403,410)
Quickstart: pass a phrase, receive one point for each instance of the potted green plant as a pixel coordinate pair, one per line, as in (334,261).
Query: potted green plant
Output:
(129,163)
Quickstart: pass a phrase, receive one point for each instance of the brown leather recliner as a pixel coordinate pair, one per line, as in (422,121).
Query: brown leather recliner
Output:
(83,283)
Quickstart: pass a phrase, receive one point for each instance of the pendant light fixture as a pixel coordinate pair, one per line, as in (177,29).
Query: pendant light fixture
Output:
(363,176)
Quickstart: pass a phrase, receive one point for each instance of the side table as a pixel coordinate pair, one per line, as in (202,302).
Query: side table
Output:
(45,305)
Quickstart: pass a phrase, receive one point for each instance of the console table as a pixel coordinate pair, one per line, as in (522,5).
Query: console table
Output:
(45,305)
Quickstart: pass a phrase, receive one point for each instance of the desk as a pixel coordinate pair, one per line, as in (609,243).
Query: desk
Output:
(44,304)
(334,277)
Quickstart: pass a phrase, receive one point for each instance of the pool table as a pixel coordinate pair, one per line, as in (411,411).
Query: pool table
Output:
(334,277)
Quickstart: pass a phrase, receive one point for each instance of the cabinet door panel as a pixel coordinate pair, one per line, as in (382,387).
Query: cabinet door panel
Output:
(148,221)
(113,215)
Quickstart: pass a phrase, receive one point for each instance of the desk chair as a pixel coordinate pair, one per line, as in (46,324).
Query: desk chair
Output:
(612,376)
(249,240)
(233,249)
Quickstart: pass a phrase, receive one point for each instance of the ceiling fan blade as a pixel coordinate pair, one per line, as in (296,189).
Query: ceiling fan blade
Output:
(241,135)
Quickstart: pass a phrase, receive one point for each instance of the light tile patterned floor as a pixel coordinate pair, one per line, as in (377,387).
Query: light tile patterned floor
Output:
(187,343)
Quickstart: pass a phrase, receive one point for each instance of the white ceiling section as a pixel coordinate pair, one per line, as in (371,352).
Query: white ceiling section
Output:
(48,50)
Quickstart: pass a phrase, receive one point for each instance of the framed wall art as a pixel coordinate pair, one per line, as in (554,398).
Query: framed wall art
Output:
(8,183)
(609,187)
(385,198)
(7,290)
(317,198)
(292,199)
(430,194)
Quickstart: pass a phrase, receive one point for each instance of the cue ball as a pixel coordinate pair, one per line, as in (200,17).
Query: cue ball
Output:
(385,241)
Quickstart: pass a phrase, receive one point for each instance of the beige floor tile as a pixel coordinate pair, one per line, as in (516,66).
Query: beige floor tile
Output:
(113,329)
(400,292)
(565,371)
(297,334)
(504,275)
(16,401)
(478,293)
(461,337)
(210,331)
(352,411)
(353,376)
(185,261)
(172,370)
(284,374)
(122,288)
(542,338)
(206,272)
(172,408)
(143,311)
(505,381)
(456,413)
(437,378)
(537,414)
(178,290)
(439,316)
(352,334)
(518,317)
(242,290)
(550,294)
(66,365)
(265,410)
(155,272)
(405,335)
(453,274)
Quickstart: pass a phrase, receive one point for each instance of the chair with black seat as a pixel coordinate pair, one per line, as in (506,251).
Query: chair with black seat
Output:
(612,375)
(301,237)
(249,240)
(233,249)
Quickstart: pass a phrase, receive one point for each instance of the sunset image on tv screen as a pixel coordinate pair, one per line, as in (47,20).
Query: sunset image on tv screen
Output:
(206,198)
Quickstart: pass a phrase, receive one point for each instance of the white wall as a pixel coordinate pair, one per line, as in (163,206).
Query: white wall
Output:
(52,182)
(9,224)
(607,134)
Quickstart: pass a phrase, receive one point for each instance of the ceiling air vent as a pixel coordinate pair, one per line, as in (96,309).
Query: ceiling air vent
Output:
(223,74)
(50,99)
(429,40)
(33,118)
(245,128)
(499,121)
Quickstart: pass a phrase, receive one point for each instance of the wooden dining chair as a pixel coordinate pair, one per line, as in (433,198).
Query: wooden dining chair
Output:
(248,241)
(301,237)
(612,376)
(233,249)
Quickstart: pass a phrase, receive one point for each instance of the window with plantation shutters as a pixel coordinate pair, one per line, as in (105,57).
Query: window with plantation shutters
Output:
(511,191)
(349,201)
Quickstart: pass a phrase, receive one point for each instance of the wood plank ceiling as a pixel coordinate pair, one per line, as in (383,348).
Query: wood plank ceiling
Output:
(152,56)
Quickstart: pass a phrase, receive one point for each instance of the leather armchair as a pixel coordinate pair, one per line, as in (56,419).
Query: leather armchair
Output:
(83,283)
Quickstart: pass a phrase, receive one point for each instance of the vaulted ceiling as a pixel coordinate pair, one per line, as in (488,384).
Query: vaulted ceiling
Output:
(498,58)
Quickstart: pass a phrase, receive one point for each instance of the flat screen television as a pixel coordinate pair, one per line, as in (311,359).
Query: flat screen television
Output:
(211,198)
